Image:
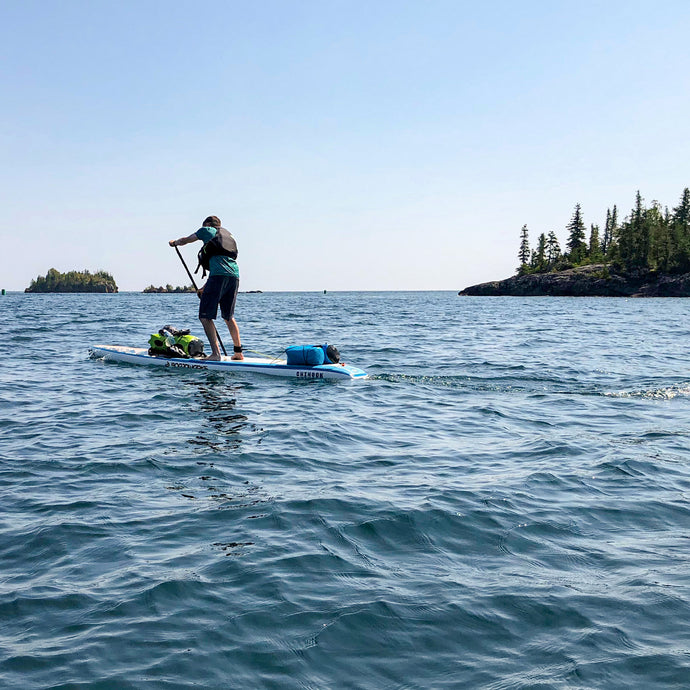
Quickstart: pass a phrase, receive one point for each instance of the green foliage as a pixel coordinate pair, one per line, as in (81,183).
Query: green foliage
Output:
(595,254)
(169,288)
(650,239)
(73,281)
(610,238)
(576,237)
(538,262)
(524,253)
(553,249)
(679,229)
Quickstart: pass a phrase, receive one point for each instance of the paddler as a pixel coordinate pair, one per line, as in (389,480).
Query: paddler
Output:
(219,257)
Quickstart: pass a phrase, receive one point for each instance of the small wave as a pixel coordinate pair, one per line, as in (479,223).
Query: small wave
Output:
(667,393)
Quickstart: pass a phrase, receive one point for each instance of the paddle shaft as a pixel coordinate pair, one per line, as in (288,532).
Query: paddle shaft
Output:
(191,277)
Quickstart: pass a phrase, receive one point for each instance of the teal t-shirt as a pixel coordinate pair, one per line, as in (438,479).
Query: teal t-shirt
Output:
(218,265)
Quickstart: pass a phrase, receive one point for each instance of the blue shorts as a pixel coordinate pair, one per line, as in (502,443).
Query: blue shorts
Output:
(219,290)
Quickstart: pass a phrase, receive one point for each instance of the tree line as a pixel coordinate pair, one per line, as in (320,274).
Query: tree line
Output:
(649,239)
(73,281)
(169,288)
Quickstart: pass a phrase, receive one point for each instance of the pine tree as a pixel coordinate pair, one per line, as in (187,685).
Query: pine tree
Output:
(524,253)
(633,238)
(626,244)
(539,255)
(660,245)
(640,233)
(553,249)
(595,253)
(606,239)
(680,234)
(609,245)
(609,230)
(576,237)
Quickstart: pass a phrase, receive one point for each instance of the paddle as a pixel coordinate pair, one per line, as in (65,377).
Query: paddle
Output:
(191,277)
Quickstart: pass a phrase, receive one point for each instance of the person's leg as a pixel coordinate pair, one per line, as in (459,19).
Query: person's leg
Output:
(211,334)
(227,310)
(208,310)
(235,335)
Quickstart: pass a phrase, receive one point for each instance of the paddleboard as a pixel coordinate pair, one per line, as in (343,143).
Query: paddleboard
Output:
(252,365)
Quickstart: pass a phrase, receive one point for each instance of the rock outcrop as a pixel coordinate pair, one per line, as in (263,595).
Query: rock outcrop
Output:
(595,280)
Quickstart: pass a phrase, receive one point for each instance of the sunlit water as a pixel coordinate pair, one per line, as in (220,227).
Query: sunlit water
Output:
(504,504)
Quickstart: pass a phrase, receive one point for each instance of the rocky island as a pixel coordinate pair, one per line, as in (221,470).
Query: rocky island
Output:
(595,280)
(169,288)
(73,281)
(647,255)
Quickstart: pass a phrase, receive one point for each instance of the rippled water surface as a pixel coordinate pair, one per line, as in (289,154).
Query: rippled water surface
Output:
(504,504)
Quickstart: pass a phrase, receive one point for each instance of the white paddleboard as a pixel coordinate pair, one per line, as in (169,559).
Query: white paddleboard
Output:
(252,365)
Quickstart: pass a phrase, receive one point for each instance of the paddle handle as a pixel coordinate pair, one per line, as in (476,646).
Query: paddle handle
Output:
(191,277)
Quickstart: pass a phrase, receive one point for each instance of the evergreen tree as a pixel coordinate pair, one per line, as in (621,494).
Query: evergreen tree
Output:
(681,213)
(610,240)
(576,237)
(610,230)
(641,233)
(539,254)
(524,253)
(634,238)
(680,234)
(553,249)
(606,239)
(626,243)
(660,243)
(595,253)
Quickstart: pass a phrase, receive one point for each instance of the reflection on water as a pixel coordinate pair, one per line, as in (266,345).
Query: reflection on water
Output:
(221,424)
(212,401)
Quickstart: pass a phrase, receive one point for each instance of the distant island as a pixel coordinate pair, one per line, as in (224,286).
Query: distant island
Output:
(186,288)
(169,288)
(647,255)
(73,281)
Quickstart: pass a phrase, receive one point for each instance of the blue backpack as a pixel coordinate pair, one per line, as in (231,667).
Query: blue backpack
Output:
(312,355)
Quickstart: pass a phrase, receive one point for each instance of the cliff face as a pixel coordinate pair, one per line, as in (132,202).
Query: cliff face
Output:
(585,281)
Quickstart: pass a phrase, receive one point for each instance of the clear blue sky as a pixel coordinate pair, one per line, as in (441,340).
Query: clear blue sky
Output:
(347,145)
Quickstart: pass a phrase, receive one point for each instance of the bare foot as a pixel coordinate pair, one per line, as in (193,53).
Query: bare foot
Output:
(237,355)
(212,358)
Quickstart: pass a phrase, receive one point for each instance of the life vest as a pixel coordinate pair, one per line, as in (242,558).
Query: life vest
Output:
(223,244)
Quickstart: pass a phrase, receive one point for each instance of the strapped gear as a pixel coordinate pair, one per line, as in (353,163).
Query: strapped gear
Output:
(171,342)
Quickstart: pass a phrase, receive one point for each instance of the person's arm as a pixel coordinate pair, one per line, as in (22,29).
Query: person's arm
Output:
(183,240)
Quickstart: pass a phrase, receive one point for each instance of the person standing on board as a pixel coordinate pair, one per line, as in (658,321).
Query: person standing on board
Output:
(220,258)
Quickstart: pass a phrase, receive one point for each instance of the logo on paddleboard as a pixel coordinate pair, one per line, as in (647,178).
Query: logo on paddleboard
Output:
(184,365)
(309,374)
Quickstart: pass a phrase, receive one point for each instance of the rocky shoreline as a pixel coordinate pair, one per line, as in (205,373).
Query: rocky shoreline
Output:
(595,280)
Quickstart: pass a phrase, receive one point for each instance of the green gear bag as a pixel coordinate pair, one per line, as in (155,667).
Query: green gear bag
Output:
(160,343)
(192,346)
(169,342)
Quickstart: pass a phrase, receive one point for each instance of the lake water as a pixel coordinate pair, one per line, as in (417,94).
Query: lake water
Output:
(504,504)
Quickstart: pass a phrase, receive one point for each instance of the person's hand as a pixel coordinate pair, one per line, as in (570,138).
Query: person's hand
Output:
(173,243)
(200,291)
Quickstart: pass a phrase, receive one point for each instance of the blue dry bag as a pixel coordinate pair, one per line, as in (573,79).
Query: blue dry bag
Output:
(312,355)
(306,355)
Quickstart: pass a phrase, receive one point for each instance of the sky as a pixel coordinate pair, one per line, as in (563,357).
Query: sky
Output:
(347,145)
